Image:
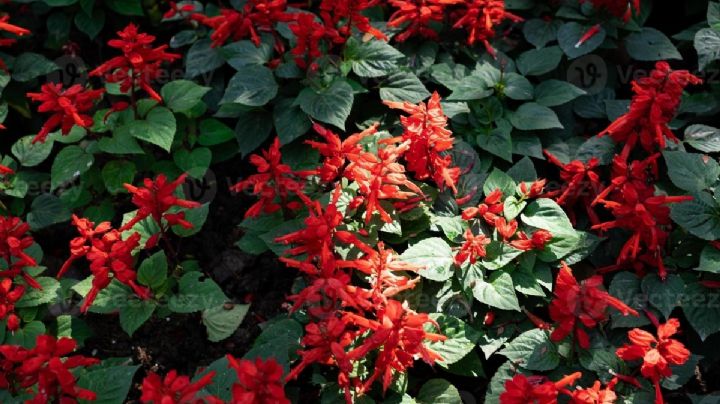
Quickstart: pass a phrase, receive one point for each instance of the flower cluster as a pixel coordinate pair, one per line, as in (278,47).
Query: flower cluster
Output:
(68,107)
(176,389)
(49,366)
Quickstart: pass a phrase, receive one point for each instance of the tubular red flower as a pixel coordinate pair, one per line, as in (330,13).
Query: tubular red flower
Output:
(523,389)
(595,394)
(480,17)
(155,198)
(341,16)
(335,150)
(416,16)
(489,210)
(473,248)
(581,185)
(14,240)
(259,381)
(140,63)
(255,17)
(176,389)
(589,34)
(9,295)
(68,107)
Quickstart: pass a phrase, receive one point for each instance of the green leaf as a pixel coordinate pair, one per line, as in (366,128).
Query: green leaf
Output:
(252,85)
(682,374)
(70,163)
(252,129)
(533,350)
(290,121)
(30,65)
(47,210)
(664,295)
(213,132)
(551,93)
(434,255)
(195,294)
(126,7)
(245,53)
(25,336)
(498,292)
(280,340)
(182,95)
(536,62)
(704,138)
(533,116)
(499,180)
(221,322)
(473,87)
(626,287)
(330,105)
(202,58)
(690,171)
(701,216)
(30,154)
(497,141)
(195,162)
(650,45)
(35,297)
(546,214)
(438,391)
(709,260)
(116,173)
(707,45)
(373,58)
(196,217)
(517,87)
(461,338)
(225,377)
(403,86)
(91,25)
(135,313)
(111,384)
(539,32)
(701,309)
(158,128)
(153,270)
(569,35)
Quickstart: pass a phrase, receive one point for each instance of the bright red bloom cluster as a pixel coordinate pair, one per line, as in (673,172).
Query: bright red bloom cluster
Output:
(417,16)
(259,381)
(523,389)
(653,106)
(176,389)
(255,17)
(581,304)
(341,16)
(657,353)
(335,150)
(581,185)
(274,183)
(430,140)
(10,293)
(13,29)
(68,107)
(480,17)
(110,257)
(139,64)
(47,365)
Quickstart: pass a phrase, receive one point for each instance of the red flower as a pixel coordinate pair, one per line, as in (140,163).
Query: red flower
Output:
(537,241)
(13,29)
(589,34)
(473,248)
(109,255)
(653,106)
(634,176)
(67,107)
(46,365)
(489,210)
(583,303)
(399,332)
(308,34)
(174,389)
(581,184)
(535,190)
(657,354)
(379,178)
(139,64)
(155,199)
(274,180)
(14,240)
(523,389)
(258,382)
(416,16)
(505,229)
(619,8)
(4,170)
(430,140)
(595,394)
(335,150)
(480,18)
(256,16)
(9,295)
(341,16)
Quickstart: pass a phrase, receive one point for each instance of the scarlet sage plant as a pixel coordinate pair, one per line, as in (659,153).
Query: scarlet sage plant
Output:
(359,201)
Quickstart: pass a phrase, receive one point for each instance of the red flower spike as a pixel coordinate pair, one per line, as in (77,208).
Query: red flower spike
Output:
(489,210)
(416,16)
(9,295)
(4,170)
(537,241)
(633,176)
(473,248)
(109,255)
(534,190)
(14,240)
(139,64)
(68,107)
(255,17)
(657,353)
(506,229)
(589,34)
(259,381)
(523,389)
(430,140)
(399,332)
(155,198)
(480,17)
(653,106)
(273,181)
(47,365)
(308,35)
(581,185)
(595,394)
(581,304)
(13,29)
(176,389)
(335,150)
(380,177)
(341,16)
